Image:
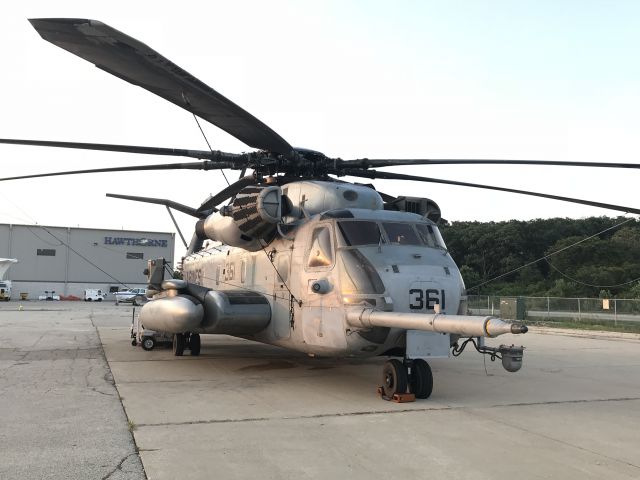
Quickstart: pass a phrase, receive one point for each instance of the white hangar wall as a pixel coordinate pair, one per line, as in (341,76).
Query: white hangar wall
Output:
(68,260)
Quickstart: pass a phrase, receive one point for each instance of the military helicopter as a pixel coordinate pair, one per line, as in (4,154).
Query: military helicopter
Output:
(299,258)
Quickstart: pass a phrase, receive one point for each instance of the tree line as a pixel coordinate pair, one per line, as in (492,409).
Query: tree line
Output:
(548,257)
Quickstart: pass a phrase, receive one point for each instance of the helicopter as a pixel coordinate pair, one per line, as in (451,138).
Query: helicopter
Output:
(298,257)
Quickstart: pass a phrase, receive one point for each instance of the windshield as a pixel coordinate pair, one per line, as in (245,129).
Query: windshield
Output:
(355,233)
(359,233)
(401,233)
(430,236)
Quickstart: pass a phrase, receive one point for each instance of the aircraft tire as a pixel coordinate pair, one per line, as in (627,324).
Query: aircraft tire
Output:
(178,344)
(394,378)
(421,379)
(194,344)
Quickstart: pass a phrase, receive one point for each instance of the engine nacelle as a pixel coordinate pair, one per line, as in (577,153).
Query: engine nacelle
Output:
(184,307)
(253,216)
(235,312)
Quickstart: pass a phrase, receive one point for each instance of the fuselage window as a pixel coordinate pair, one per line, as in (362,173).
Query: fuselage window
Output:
(401,233)
(320,254)
(360,233)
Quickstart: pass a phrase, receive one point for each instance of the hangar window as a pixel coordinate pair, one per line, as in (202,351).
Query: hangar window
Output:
(134,256)
(46,252)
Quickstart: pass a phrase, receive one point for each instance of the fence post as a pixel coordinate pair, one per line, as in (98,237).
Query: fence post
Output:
(615,312)
(579,312)
(548,309)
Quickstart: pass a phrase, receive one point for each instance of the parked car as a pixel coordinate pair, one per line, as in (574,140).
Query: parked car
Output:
(133,295)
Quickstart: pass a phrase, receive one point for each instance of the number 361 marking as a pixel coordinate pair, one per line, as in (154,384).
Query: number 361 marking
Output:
(421,299)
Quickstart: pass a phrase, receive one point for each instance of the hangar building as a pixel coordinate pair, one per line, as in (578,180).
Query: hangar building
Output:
(68,260)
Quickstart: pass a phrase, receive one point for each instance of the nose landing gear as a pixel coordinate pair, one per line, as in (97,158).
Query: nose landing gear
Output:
(182,341)
(412,374)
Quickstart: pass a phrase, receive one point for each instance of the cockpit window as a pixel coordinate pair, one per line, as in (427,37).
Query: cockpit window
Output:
(358,275)
(430,236)
(401,233)
(360,233)
(320,253)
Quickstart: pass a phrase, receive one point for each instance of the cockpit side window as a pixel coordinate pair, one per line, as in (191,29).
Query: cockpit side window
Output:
(430,236)
(401,233)
(360,233)
(320,252)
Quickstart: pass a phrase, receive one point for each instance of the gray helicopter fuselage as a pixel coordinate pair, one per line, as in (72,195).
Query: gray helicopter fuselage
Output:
(335,261)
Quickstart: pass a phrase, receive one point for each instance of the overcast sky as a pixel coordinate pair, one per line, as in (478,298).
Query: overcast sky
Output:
(457,79)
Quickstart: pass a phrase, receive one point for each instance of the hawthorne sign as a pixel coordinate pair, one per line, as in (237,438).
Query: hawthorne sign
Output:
(138,242)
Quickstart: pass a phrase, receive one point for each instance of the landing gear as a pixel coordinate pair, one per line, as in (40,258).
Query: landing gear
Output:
(186,340)
(421,379)
(394,378)
(194,344)
(178,344)
(397,376)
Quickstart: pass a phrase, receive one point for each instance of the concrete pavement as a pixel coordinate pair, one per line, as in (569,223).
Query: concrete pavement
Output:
(60,412)
(245,410)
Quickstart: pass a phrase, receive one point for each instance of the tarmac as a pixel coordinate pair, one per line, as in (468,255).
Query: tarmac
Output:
(245,410)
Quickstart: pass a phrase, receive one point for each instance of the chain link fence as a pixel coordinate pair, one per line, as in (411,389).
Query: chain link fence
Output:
(557,309)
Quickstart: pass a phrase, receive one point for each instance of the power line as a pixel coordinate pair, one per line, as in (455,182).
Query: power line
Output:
(589,284)
(553,253)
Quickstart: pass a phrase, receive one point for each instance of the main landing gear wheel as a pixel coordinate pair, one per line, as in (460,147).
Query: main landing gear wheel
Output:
(178,344)
(394,378)
(421,379)
(194,344)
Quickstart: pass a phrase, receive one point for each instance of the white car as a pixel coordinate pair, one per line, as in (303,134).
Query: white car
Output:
(134,295)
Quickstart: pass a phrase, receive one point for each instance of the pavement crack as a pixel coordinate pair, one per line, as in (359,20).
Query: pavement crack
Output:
(377,412)
(563,442)
(564,402)
(297,417)
(118,467)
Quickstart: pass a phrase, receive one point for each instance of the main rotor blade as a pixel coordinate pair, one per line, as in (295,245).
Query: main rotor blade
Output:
(400,176)
(174,152)
(368,163)
(136,63)
(206,165)
(214,200)
(161,201)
